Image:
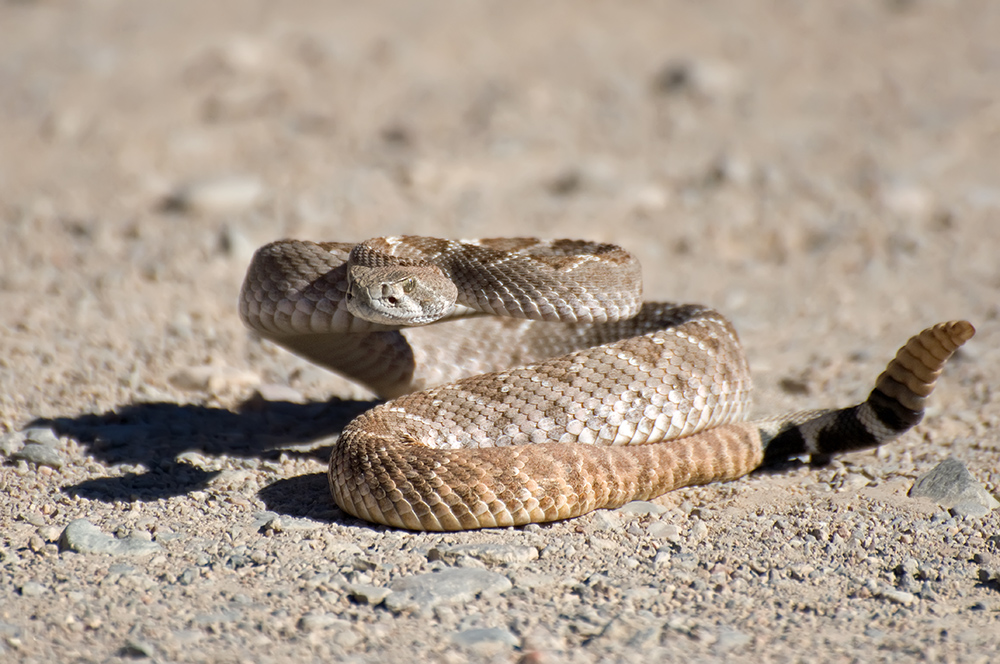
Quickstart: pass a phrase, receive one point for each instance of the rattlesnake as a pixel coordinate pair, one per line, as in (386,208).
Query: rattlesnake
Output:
(552,392)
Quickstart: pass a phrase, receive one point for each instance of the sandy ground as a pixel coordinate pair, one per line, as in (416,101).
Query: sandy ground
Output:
(827,174)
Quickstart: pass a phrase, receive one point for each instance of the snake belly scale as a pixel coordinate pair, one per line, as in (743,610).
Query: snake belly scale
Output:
(528,382)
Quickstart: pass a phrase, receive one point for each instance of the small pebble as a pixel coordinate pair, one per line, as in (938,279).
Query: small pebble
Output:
(451,586)
(42,455)
(474,638)
(213,379)
(899,597)
(42,436)
(368,594)
(136,648)
(33,589)
(220,195)
(488,553)
(662,557)
(276,392)
(84,537)
(11,442)
(641,508)
(708,79)
(236,245)
(730,639)
(952,486)
(605,520)
(50,533)
(314,622)
(969,508)
(668,531)
(264,521)
(907,200)
(699,531)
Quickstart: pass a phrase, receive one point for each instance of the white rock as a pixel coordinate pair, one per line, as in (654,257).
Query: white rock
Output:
(451,586)
(907,200)
(213,379)
(219,195)
(84,537)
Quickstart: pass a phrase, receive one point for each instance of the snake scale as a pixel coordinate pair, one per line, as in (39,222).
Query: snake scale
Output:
(552,390)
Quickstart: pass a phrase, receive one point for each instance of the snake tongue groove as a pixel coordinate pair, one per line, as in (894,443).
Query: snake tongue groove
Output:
(545,388)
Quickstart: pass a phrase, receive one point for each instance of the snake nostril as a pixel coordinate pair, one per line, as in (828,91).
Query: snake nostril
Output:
(392,300)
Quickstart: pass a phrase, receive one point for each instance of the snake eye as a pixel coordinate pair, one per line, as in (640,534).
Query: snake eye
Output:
(409,285)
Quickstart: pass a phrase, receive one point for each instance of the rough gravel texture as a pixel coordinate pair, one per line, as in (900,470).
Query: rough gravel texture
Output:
(826,173)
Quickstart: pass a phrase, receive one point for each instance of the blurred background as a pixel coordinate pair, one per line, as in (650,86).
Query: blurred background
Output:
(827,174)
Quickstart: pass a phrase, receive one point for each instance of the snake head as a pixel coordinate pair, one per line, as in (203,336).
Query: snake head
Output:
(395,295)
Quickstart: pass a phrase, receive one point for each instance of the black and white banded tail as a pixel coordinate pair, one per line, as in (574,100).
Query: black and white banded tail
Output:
(894,407)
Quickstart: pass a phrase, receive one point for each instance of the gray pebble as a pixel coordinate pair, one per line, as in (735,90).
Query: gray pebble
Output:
(166,535)
(11,442)
(908,567)
(699,531)
(50,533)
(730,639)
(984,558)
(236,558)
(84,537)
(42,436)
(136,647)
(605,520)
(686,562)
(278,392)
(587,627)
(898,597)
(668,531)
(314,622)
(36,519)
(368,594)
(43,455)
(526,579)
(188,576)
(970,508)
(121,569)
(874,634)
(951,484)
(630,629)
(490,635)
(486,552)
(213,379)
(347,637)
(219,618)
(236,245)
(451,586)
(703,78)
(230,193)
(33,589)
(8,631)
(641,508)
(187,637)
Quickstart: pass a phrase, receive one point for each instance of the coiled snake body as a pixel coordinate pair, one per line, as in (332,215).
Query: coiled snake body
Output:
(552,391)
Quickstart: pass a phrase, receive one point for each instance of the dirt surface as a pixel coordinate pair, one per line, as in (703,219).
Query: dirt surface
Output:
(827,174)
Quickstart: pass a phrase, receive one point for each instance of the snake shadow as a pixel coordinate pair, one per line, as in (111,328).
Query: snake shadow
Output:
(156,436)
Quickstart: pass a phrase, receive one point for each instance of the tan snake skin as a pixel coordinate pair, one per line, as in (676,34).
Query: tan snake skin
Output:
(572,396)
